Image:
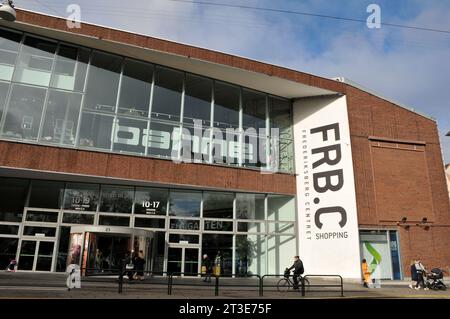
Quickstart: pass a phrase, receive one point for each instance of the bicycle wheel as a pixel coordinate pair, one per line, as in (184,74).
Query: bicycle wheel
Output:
(283,285)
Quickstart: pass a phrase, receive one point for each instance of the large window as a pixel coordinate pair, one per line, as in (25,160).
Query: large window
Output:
(250,206)
(46,194)
(4,87)
(70,68)
(8,249)
(129,137)
(167,94)
(218,205)
(35,62)
(116,199)
(185,204)
(13,193)
(151,201)
(96,131)
(226,105)
(103,82)
(24,113)
(280,207)
(82,197)
(135,88)
(9,47)
(163,139)
(61,118)
(197,100)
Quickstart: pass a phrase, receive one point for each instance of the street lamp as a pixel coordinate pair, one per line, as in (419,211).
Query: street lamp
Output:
(7,11)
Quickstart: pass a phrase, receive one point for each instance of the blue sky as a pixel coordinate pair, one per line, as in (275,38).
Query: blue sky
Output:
(408,66)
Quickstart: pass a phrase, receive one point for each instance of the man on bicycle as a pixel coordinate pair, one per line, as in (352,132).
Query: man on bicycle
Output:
(298,270)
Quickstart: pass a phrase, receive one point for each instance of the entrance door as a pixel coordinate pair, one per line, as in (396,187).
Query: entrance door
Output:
(182,259)
(106,252)
(36,255)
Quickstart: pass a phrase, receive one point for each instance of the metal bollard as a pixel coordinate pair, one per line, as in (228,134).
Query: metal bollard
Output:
(216,290)
(303,286)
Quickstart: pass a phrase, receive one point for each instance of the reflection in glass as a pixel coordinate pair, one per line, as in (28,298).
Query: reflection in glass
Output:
(86,219)
(35,61)
(135,88)
(250,206)
(13,193)
(116,199)
(8,249)
(9,229)
(129,136)
(219,248)
(280,207)
(197,100)
(46,194)
(24,113)
(70,68)
(150,223)
(226,105)
(83,197)
(114,221)
(34,230)
(61,118)
(167,94)
(9,47)
(151,201)
(185,204)
(251,255)
(254,110)
(4,87)
(218,205)
(162,139)
(95,131)
(43,217)
(280,114)
(45,256)
(26,257)
(103,82)
(63,248)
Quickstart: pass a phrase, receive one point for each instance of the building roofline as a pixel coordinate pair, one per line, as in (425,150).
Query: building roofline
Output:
(372,92)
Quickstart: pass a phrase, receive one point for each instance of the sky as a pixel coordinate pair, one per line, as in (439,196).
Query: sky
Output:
(406,65)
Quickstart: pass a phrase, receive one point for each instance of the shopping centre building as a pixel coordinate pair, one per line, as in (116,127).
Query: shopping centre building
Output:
(112,141)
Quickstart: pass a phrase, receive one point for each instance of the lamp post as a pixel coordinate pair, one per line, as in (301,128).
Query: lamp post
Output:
(7,11)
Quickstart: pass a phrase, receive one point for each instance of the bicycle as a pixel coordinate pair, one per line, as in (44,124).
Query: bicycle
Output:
(286,284)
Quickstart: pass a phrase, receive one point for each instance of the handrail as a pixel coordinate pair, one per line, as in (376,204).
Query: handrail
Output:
(335,276)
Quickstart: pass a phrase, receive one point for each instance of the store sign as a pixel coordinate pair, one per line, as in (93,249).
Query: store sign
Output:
(214,225)
(184,224)
(328,225)
(151,207)
(82,202)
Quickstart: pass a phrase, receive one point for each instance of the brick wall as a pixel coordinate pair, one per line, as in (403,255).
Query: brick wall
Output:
(399,173)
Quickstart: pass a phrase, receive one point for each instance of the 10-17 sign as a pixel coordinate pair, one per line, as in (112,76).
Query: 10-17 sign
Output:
(150,206)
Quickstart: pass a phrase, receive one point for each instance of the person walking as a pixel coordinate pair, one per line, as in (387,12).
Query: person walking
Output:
(298,270)
(206,268)
(139,263)
(366,273)
(412,268)
(421,272)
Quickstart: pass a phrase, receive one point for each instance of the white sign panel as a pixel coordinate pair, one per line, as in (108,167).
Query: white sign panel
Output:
(328,224)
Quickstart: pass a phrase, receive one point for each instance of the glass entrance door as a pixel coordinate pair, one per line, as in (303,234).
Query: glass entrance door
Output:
(183,259)
(36,255)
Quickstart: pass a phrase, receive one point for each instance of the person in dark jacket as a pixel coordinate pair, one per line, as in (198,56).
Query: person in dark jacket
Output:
(139,263)
(298,270)
(412,268)
(206,263)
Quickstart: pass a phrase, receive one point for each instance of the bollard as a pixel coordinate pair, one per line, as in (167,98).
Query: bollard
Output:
(216,290)
(303,286)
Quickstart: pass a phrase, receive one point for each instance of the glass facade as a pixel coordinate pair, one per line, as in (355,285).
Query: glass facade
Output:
(237,230)
(59,94)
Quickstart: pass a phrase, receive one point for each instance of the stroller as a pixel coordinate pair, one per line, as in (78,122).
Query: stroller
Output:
(435,280)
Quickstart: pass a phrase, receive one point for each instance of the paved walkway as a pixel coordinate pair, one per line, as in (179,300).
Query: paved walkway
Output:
(35,285)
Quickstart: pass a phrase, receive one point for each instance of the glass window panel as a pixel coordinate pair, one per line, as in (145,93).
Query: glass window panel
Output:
(70,68)
(194,144)
(130,136)
(226,105)
(217,225)
(114,221)
(177,238)
(185,224)
(151,201)
(280,114)
(163,139)
(218,205)
(219,248)
(44,217)
(250,206)
(135,88)
(281,228)
(185,204)
(13,194)
(9,229)
(8,250)
(9,47)
(24,112)
(61,118)
(46,194)
(33,230)
(149,222)
(96,131)
(63,248)
(103,82)
(251,255)
(27,252)
(82,197)
(286,155)
(197,100)
(167,94)
(116,199)
(251,227)
(254,110)
(225,146)
(281,207)
(4,87)
(254,151)
(86,219)
(35,61)
(45,256)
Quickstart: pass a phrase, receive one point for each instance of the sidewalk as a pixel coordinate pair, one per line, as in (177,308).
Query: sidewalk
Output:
(39,285)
